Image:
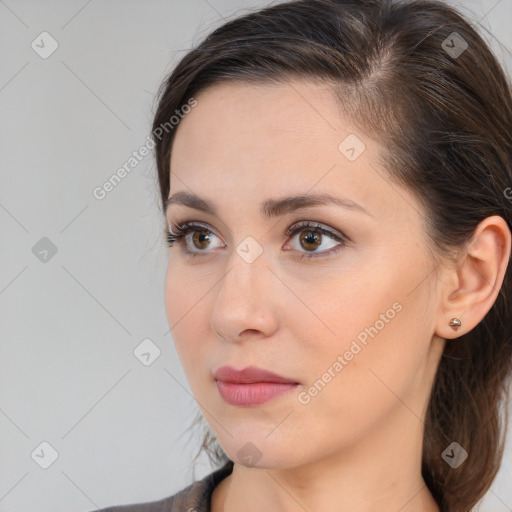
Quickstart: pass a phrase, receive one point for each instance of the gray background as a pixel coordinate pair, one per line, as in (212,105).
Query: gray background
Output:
(69,325)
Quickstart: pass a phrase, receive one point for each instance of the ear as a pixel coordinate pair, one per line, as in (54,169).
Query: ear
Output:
(471,289)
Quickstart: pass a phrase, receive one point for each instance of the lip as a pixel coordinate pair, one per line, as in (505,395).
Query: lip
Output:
(251,385)
(249,375)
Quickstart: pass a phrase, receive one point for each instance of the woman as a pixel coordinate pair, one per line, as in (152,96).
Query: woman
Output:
(337,190)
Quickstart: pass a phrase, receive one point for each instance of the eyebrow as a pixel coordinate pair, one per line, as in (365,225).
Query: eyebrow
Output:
(269,208)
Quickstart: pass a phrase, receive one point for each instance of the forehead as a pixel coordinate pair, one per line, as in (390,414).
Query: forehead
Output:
(254,135)
(242,145)
(238,108)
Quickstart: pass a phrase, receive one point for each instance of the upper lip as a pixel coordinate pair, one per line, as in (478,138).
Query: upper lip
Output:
(249,375)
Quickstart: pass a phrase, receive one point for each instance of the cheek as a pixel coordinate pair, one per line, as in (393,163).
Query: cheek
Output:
(365,348)
(185,295)
(186,312)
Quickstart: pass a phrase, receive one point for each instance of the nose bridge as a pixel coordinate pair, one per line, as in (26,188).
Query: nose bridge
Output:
(247,271)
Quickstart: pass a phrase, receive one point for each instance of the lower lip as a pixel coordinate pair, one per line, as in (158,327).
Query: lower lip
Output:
(252,394)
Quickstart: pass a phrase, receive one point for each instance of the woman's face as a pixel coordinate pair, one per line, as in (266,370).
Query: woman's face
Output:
(353,327)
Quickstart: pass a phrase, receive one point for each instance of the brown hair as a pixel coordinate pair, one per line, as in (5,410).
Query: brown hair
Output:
(443,111)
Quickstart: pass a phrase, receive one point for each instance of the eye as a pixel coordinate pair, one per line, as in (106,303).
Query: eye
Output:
(201,236)
(312,237)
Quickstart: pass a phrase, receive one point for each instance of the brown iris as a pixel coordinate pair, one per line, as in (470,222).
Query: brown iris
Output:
(310,237)
(202,236)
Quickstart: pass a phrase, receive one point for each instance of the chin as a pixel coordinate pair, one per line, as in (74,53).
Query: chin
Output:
(261,452)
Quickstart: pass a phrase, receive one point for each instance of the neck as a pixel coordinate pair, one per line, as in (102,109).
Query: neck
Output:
(380,472)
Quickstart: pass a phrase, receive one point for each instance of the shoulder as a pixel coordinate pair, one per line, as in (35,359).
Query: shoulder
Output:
(194,498)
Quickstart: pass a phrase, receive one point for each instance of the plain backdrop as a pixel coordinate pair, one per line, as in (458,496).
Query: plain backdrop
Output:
(81,278)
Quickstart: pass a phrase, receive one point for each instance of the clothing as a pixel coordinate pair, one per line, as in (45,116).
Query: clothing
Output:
(194,498)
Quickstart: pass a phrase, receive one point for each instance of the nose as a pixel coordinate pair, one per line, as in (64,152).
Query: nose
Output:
(246,304)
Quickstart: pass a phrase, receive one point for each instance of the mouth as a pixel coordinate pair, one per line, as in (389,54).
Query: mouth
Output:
(247,395)
(251,386)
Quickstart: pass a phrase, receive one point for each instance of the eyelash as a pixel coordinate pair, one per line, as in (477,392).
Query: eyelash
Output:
(180,230)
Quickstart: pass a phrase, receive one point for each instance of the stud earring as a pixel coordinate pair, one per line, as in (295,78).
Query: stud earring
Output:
(455,323)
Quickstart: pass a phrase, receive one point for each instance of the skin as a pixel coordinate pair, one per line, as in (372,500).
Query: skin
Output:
(356,446)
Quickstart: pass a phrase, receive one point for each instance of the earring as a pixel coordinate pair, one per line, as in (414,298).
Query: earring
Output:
(455,323)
